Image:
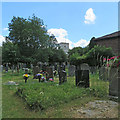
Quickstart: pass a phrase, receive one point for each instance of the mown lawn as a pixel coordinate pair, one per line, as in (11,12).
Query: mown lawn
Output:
(55,101)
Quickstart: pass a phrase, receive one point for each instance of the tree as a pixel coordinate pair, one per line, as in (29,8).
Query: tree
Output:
(57,55)
(29,35)
(94,57)
(10,53)
(92,43)
(33,42)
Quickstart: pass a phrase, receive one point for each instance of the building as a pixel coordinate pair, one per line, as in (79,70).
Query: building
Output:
(64,46)
(111,40)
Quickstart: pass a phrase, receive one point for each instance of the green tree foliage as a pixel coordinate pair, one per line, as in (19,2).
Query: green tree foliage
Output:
(29,34)
(57,55)
(29,42)
(94,57)
(10,53)
(92,43)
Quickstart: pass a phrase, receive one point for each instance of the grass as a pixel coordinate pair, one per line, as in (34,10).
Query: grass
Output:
(55,100)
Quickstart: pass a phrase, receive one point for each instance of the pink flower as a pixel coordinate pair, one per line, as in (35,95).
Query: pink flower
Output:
(107,65)
(104,59)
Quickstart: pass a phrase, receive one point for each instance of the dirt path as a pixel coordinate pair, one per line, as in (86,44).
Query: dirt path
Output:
(97,109)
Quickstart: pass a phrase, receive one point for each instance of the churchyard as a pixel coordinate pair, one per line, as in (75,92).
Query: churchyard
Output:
(36,99)
(41,80)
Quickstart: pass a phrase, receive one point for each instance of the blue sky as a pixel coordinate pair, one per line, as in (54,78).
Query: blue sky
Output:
(73,22)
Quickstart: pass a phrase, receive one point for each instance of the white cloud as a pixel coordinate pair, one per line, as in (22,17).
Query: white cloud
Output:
(89,17)
(58,32)
(2,39)
(61,36)
(81,43)
(5,29)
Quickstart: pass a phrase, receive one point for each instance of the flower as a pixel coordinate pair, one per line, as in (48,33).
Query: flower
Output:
(113,61)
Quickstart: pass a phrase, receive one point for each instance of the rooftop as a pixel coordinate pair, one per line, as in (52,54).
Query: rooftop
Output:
(112,35)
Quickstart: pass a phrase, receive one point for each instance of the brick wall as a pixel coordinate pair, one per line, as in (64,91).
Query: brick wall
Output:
(111,42)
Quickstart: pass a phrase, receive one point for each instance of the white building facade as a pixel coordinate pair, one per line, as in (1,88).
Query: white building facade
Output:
(64,46)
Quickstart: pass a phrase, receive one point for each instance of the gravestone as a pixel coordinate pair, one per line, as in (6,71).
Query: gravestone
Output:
(71,70)
(26,70)
(36,70)
(93,70)
(103,73)
(62,75)
(113,82)
(84,66)
(82,75)
(49,74)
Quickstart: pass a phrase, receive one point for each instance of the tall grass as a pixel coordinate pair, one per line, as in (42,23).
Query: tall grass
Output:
(41,96)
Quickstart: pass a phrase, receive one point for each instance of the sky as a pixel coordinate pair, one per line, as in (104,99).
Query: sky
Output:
(72,22)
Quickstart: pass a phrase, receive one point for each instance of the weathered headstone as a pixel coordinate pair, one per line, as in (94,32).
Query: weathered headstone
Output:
(93,70)
(84,66)
(36,70)
(1,68)
(103,73)
(26,70)
(49,71)
(62,75)
(71,70)
(113,82)
(82,76)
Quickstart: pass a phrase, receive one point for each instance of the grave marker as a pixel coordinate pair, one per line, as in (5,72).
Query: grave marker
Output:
(71,70)
(82,75)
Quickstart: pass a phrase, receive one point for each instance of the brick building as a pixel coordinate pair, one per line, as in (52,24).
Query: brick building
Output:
(111,40)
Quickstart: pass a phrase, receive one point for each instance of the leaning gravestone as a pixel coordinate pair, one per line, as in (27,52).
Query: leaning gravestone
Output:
(62,75)
(113,82)
(71,70)
(103,73)
(82,75)
(36,70)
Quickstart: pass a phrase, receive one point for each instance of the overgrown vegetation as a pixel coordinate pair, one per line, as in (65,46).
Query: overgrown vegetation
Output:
(53,99)
(94,56)
(44,95)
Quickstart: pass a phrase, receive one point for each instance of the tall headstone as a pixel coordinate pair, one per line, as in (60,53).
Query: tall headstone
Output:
(49,71)
(113,82)
(82,76)
(36,70)
(62,75)
(71,70)
(93,70)
(103,73)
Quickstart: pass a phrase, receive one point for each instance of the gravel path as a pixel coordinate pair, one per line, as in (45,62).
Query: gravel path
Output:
(98,109)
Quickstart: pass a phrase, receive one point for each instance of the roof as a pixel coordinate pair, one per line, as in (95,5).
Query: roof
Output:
(63,43)
(112,35)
